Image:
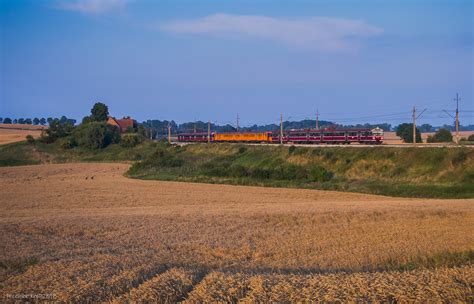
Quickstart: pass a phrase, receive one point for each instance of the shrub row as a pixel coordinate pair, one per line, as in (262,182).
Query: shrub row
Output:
(284,171)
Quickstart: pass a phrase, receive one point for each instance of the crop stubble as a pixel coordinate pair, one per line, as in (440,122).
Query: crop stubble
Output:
(83,231)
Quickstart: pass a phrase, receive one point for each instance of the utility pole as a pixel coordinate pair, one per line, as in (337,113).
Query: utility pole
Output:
(208,131)
(169,133)
(317,120)
(281,128)
(414,125)
(237,122)
(457,117)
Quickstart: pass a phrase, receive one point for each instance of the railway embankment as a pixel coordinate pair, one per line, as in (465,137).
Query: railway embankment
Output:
(407,172)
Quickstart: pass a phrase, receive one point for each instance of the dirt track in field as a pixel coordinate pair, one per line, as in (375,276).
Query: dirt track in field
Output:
(68,229)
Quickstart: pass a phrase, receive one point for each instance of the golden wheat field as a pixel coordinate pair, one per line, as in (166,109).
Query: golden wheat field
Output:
(86,233)
(14,133)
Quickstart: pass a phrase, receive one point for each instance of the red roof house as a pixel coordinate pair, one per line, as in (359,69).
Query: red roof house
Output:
(122,124)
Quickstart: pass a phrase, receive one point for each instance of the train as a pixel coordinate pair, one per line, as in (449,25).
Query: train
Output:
(302,136)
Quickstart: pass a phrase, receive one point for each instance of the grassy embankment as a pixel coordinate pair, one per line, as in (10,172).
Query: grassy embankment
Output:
(407,172)
(411,172)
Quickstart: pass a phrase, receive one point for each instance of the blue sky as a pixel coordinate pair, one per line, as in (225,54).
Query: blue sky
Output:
(211,60)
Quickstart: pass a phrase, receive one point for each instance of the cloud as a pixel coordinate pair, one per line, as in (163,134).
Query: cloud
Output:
(320,33)
(92,6)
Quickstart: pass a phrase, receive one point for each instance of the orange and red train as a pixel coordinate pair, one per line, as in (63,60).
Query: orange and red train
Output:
(303,136)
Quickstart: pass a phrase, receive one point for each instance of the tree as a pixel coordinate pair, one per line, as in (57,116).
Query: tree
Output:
(442,135)
(49,120)
(57,130)
(7,120)
(1,120)
(141,130)
(99,112)
(42,121)
(405,131)
(471,137)
(21,120)
(28,121)
(15,121)
(87,119)
(96,135)
(426,128)
(36,120)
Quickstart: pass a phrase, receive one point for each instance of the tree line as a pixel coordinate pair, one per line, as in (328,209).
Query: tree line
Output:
(37,121)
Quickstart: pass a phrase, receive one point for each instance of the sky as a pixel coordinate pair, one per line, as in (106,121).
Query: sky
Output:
(353,62)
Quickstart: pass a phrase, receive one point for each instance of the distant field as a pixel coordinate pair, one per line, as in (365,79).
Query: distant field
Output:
(83,232)
(10,133)
(392,138)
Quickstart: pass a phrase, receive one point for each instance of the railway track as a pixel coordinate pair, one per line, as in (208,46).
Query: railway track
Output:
(347,146)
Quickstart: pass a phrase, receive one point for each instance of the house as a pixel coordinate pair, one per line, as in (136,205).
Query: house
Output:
(122,124)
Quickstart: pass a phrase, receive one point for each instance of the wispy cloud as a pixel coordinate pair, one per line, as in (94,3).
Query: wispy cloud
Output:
(92,6)
(320,33)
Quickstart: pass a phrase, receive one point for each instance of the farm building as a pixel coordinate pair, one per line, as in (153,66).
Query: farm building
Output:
(123,124)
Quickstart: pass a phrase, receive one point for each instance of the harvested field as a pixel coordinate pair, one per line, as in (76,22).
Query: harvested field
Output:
(78,232)
(14,133)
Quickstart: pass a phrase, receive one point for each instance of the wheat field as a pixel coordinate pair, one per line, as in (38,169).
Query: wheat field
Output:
(83,232)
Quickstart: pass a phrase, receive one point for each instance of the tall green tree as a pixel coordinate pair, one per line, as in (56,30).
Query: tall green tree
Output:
(36,120)
(99,112)
(7,120)
(405,131)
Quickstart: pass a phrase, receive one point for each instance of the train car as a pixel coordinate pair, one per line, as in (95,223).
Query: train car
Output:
(195,137)
(249,137)
(330,136)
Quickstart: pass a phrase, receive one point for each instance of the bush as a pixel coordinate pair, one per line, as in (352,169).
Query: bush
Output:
(260,173)
(291,149)
(471,137)
(320,174)
(67,142)
(96,135)
(162,158)
(238,171)
(242,150)
(130,140)
(30,139)
(442,135)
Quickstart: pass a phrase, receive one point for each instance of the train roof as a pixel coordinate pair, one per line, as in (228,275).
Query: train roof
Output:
(194,133)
